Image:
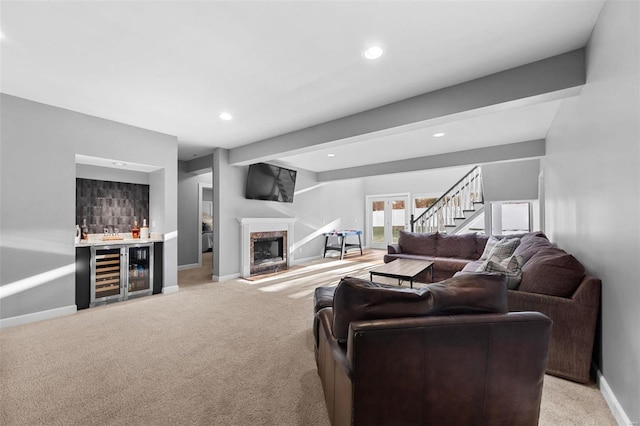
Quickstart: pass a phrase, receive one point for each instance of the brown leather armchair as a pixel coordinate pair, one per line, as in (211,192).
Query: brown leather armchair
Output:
(447,359)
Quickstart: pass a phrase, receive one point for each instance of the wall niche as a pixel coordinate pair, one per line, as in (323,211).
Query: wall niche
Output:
(107,204)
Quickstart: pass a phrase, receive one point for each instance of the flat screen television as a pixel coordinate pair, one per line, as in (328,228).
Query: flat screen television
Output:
(272,183)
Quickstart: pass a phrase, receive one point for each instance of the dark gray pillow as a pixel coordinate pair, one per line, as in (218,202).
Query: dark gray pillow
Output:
(357,299)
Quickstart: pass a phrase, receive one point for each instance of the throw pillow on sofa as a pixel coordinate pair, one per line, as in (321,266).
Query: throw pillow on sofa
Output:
(510,268)
(491,242)
(357,299)
(504,248)
(553,272)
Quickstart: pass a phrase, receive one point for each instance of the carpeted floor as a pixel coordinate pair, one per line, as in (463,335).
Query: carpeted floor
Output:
(232,353)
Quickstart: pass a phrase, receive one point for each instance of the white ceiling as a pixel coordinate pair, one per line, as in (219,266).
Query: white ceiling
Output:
(173,66)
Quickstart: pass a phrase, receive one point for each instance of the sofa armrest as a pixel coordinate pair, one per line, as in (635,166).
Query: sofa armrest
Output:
(335,349)
(573,330)
(394,248)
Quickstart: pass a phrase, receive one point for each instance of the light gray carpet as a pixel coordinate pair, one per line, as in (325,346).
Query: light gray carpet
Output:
(232,353)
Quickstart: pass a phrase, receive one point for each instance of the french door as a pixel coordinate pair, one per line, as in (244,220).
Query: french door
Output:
(386,217)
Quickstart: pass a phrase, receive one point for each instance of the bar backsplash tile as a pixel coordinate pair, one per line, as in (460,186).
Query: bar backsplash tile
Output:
(107,204)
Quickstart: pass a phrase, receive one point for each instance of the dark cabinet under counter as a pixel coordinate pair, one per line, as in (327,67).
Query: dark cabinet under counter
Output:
(117,272)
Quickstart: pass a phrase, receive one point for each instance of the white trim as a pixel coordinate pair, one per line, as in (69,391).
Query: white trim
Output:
(261,224)
(171,289)
(368,233)
(217,278)
(611,400)
(260,220)
(201,187)
(189,266)
(38,316)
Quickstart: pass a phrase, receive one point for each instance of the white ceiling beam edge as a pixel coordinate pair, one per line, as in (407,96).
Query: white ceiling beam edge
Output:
(509,152)
(557,77)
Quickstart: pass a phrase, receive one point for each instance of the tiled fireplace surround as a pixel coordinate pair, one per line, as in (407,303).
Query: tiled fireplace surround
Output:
(264,228)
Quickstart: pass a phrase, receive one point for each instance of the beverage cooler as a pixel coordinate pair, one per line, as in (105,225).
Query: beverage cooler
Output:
(121,272)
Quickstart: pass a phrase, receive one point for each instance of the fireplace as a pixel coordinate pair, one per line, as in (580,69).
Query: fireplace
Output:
(266,245)
(268,252)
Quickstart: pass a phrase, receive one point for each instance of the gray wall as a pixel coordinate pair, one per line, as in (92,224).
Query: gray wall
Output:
(188,220)
(317,206)
(37,181)
(592,187)
(428,181)
(511,181)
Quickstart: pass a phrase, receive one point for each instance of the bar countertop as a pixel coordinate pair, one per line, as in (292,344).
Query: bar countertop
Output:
(120,239)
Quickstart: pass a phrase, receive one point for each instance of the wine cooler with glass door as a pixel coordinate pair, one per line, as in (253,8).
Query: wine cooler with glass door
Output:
(120,272)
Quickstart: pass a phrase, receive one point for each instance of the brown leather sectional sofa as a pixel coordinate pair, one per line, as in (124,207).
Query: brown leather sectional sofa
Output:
(446,354)
(553,282)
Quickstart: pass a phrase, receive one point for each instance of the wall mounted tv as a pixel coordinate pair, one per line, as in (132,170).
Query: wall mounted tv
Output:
(272,183)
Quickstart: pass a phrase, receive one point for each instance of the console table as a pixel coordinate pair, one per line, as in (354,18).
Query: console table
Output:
(342,245)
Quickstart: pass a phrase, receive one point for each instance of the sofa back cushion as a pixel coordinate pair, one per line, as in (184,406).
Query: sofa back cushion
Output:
(357,299)
(553,272)
(529,246)
(462,246)
(417,243)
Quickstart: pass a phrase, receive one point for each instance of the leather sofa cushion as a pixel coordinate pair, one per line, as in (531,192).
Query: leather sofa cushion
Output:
(357,300)
(553,272)
(417,243)
(462,246)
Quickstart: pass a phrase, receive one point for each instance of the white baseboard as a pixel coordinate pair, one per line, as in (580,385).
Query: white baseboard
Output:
(170,289)
(615,407)
(219,278)
(38,316)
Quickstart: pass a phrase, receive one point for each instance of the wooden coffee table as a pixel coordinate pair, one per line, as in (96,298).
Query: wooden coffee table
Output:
(403,270)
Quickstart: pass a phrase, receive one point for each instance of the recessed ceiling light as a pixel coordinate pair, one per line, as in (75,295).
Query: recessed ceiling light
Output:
(331,155)
(373,52)
(438,135)
(225,116)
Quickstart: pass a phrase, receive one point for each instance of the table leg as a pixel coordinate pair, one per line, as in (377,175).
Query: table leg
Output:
(326,241)
(343,238)
(360,244)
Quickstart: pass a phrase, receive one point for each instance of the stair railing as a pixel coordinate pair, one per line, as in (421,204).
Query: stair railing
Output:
(451,205)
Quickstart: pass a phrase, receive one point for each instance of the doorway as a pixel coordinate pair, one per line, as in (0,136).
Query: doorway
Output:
(205,223)
(387,215)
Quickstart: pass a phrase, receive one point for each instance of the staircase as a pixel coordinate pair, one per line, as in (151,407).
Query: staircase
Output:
(453,211)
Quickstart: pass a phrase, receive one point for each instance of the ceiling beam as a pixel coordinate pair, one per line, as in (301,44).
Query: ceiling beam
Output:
(557,77)
(509,152)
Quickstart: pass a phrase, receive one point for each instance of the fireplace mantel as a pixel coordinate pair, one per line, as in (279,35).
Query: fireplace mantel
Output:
(262,224)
